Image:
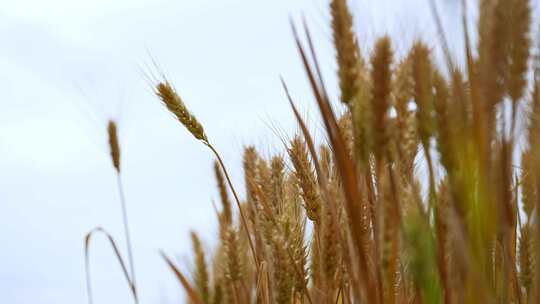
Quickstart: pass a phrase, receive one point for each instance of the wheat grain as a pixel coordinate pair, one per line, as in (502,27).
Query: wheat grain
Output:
(520,22)
(381,75)
(201,276)
(225,201)
(176,106)
(113,144)
(347,51)
(305,178)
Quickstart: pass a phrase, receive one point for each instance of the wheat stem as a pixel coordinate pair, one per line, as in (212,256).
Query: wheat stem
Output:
(127,233)
(242,216)
(116,252)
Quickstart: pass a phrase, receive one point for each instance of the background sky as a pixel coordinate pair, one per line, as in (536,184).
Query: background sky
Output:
(67,66)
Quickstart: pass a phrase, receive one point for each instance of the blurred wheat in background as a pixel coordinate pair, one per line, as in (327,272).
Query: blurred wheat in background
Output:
(352,220)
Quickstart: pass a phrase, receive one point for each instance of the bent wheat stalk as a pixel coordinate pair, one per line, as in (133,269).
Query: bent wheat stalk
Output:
(173,102)
(87,240)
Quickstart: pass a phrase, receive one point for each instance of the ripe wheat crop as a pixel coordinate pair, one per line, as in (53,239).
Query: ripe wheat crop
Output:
(348,221)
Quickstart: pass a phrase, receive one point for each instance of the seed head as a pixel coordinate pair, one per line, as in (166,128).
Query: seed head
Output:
(347,54)
(305,178)
(113,144)
(175,105)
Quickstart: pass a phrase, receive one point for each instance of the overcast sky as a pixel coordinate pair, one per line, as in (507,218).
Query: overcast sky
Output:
(67,66)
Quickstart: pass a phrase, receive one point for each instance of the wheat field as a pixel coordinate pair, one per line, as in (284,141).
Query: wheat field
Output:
(352,220)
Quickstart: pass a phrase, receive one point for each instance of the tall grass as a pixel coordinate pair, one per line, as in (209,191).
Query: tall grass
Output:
(375,237)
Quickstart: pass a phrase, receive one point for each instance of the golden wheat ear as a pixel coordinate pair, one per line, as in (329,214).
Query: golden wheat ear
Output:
(381,76)
(113,144)
(347,52)
(305,178)
(322,171)
(176,106)
(201,276)
(225,201)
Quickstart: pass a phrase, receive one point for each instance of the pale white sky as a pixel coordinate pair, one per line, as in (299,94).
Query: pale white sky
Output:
(67,66)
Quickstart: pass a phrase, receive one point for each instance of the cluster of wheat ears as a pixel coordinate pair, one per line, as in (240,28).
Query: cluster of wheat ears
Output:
(352,221)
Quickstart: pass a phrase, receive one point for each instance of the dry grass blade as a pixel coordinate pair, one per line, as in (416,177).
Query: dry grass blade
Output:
(87,240)
(442,36)
(321,84)
(192,294)
(347,51)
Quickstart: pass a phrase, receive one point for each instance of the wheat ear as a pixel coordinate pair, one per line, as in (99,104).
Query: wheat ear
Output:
(347,51)
(115,156)
(113,144)
(201,276)
(176,106)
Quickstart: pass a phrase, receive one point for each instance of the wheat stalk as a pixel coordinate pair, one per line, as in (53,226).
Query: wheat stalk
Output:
(174,104)
(114,146)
